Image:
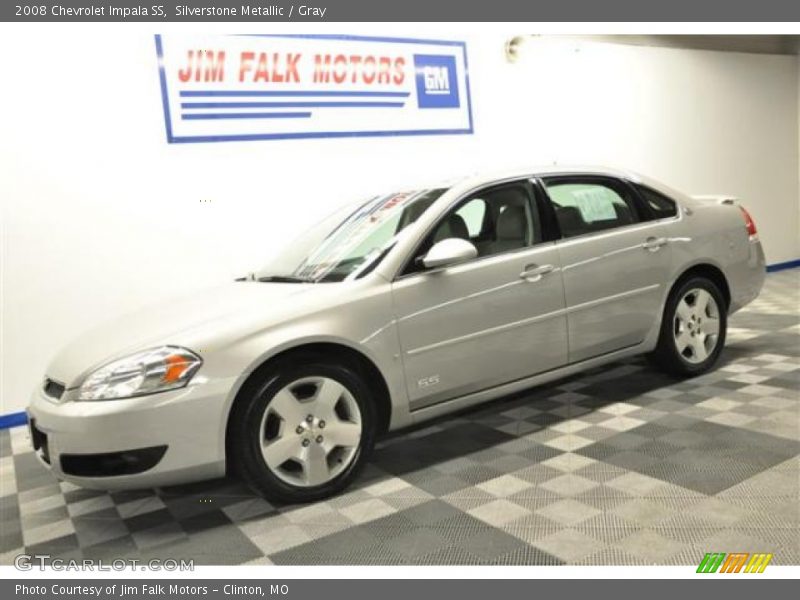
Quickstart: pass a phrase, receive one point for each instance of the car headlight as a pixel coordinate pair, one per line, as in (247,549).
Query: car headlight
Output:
(146,372)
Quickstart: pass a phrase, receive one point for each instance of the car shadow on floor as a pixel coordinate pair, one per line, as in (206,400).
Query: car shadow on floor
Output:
(419,448)
(469,431)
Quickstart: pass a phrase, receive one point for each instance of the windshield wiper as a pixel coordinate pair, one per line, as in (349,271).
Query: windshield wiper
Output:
(285,279)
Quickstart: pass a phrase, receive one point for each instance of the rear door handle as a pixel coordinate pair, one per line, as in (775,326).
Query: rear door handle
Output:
(534,273)
(653,244)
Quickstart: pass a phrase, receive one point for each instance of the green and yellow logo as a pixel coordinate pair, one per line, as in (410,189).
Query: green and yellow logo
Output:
(737,562)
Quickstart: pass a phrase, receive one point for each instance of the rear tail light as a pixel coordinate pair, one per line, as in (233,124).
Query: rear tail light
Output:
(749,224)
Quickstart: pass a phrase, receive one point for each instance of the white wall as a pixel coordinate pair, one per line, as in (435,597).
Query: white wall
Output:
(101,216)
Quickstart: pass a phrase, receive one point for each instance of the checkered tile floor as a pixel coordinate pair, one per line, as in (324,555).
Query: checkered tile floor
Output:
(620,465)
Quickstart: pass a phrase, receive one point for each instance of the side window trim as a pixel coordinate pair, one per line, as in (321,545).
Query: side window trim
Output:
(642,207)
(550,228)
(638,188)
(532,205)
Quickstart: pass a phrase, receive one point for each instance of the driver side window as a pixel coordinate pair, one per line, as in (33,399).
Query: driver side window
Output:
(495,220)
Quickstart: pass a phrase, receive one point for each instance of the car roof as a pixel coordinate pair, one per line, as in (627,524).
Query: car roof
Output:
(469,182)
(479,179)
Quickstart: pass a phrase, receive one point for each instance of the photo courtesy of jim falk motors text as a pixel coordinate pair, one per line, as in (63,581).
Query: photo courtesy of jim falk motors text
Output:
(123,590)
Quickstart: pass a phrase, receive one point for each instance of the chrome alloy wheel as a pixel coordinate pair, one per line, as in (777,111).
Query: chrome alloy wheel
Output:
(696,327)
(310,431)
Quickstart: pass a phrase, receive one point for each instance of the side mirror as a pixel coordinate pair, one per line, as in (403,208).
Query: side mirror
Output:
(449,252)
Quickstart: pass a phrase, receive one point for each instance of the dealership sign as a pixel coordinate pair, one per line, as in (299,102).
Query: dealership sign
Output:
(262,87)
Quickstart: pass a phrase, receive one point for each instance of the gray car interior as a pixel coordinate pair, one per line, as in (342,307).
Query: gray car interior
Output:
(507,223)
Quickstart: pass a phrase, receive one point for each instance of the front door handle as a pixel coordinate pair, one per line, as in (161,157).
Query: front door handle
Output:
(653,244)
(534,273)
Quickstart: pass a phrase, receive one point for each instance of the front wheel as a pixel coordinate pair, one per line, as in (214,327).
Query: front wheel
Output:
(693,328)
(303,432)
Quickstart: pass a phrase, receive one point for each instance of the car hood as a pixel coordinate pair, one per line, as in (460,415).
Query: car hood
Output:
(194,321)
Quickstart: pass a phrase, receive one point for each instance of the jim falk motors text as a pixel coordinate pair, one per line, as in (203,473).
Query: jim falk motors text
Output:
(247,66)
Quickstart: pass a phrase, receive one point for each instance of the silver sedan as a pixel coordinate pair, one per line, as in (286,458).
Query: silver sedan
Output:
(409,306)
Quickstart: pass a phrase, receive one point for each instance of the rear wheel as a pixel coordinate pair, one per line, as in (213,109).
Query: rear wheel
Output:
(693,328)
(303,433)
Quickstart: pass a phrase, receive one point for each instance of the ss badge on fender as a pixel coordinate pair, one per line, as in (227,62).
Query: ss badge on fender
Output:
(428,381)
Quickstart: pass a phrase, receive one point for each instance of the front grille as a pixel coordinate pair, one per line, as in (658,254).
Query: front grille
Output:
(128,462)
(53,389)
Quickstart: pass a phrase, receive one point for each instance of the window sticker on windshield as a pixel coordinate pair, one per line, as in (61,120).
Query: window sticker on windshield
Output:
(382,212)
(595,204)
(394,201)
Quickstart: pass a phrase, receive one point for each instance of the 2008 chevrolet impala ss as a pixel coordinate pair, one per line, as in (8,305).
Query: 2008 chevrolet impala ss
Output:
(410,306)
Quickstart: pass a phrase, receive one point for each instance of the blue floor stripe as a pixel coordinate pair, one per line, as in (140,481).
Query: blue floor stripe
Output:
(13,420)
(782,266)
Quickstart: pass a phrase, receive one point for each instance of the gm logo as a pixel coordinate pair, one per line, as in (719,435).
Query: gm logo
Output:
(437,84)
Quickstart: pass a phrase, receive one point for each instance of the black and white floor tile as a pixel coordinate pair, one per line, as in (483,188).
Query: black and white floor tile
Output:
(621,465)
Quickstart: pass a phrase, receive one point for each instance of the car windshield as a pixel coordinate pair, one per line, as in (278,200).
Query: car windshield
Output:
(350,242)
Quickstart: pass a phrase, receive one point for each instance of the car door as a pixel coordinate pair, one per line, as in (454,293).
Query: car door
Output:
(494,319)
(615,262)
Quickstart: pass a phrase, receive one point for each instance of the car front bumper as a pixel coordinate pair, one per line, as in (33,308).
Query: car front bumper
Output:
(161,439)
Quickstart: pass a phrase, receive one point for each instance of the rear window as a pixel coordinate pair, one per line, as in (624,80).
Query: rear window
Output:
(661,206)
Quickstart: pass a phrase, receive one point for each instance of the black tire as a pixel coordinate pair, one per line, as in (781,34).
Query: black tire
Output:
(244,433)
(667,356)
